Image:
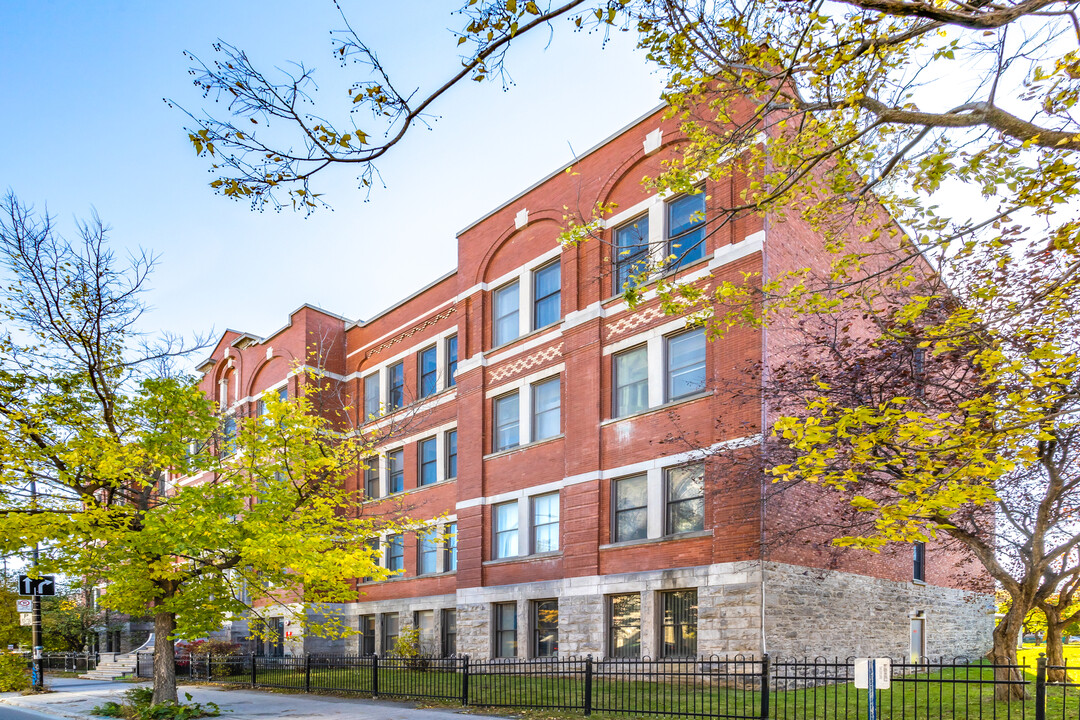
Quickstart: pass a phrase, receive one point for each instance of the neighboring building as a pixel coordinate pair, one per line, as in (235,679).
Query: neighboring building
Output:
(571,442)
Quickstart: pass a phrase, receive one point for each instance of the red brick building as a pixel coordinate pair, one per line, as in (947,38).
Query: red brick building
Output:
(569,444)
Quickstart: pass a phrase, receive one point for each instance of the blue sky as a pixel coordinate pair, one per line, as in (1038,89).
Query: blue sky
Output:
(84,126)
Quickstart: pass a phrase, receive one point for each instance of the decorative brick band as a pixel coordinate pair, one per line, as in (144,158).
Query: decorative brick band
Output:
(411,331)
(526,363)
(630,322)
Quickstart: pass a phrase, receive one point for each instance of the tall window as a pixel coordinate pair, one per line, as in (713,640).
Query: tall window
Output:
(429,371)
(427,549)
(396,394)
(395,466)
(686,228)
(505,630)
(545,409)
(545,628)
(371,396)
(505,519)
(678,623)
(507,326)
(228,436)
(631,251)
(449,632)
(390,632)
(685,364)
(450,547)
(547,302)
(429,454)
(367,634)
(507,421)
(685,498)
(373,547)
(630,509)
(451,360)
(371,477)
(545,517)
(919,570)
(631,381)
(395,553)
(424,622)
(624,628)
(451,454)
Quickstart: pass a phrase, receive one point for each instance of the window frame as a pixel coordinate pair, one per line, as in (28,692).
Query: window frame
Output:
(372,400)
(537,299)
(498,425)
(395,471)
(450,447)
(395,383)
(423,465)
(681,639)
(668,502)
(450,543)
(425,642)
(395,541)
(612,628)
(616,410)
(499,630)
(670,238)
(371,476)
(918,569)
(534,397)
(497,532)
(535,525)
(616,512)
(427,380)
(364,636)
(536,641)
(446,633)
(510,289)
(387,646)
(427,550)
(670,371)
(631,259)
(451,360)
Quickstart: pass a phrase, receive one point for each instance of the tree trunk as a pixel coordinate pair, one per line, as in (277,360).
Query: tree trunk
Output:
(164,658)
(1055,650)
(1004,653)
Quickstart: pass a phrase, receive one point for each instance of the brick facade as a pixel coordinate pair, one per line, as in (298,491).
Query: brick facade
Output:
(580,454)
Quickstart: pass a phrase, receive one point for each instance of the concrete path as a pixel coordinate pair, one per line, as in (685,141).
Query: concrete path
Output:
(75,698)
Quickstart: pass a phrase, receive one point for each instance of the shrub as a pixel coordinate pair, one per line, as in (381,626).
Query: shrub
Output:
(14,673)
(138,707)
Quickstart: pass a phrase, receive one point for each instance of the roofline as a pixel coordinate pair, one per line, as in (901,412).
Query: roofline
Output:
(399,303)
(562,169)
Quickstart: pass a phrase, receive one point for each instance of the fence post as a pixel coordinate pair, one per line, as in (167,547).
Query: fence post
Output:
(137,673)
(766,665)
(1040,688)
(588,685)
(254,681)
(307,672)
(465,682)
(374,676)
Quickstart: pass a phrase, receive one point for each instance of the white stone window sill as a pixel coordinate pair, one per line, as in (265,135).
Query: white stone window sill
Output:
(410,491)
(535,557)
(519,448)
(664,538)
(918,582)
(659,408)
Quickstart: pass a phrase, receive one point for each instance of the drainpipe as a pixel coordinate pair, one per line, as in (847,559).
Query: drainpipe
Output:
(764,410)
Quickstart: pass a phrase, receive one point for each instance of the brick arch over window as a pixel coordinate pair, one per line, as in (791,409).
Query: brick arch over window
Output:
(542,228)
(267,373)
(631,171)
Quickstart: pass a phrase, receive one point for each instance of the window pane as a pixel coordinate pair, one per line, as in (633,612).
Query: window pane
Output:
(632,251)
(396,397)
(546,523)
(507,420)
(624,639)
(451,454)
(451,361)
(451,547)
(367,634)
(506,314)
(390,632)
(371,396)
(506,530)
(506,630)
(686,364)
(425,623)
(429,451)
(679,623)
(429,372)
(547,282)
(395,462)
(395,553)
(546,401)
(685,499)
(630,505)
(371,477)
(686,228)
(427,549)
(546,628)
(631,382)
(449,632)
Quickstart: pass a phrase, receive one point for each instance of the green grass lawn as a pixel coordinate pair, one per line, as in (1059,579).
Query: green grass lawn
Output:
(964,694)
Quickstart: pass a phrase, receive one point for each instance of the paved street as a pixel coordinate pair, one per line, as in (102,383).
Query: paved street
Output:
(74,698)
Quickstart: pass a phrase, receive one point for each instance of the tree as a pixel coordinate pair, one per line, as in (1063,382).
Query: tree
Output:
(90,412)
(856,116)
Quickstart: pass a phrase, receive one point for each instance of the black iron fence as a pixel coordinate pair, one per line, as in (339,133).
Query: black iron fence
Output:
(70,662)
(732,688)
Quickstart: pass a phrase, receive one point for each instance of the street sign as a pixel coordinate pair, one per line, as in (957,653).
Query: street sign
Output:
(24,605)
(26,619)
(43,585)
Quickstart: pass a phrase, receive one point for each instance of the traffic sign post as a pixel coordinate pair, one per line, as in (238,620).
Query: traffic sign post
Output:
(37,587)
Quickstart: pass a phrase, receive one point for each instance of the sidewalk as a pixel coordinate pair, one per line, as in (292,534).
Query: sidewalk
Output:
(76,698)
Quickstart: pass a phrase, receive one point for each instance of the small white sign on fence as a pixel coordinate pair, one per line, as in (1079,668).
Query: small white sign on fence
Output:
(882,673)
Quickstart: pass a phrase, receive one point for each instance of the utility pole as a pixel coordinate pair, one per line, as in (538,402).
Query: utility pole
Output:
(35,628)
